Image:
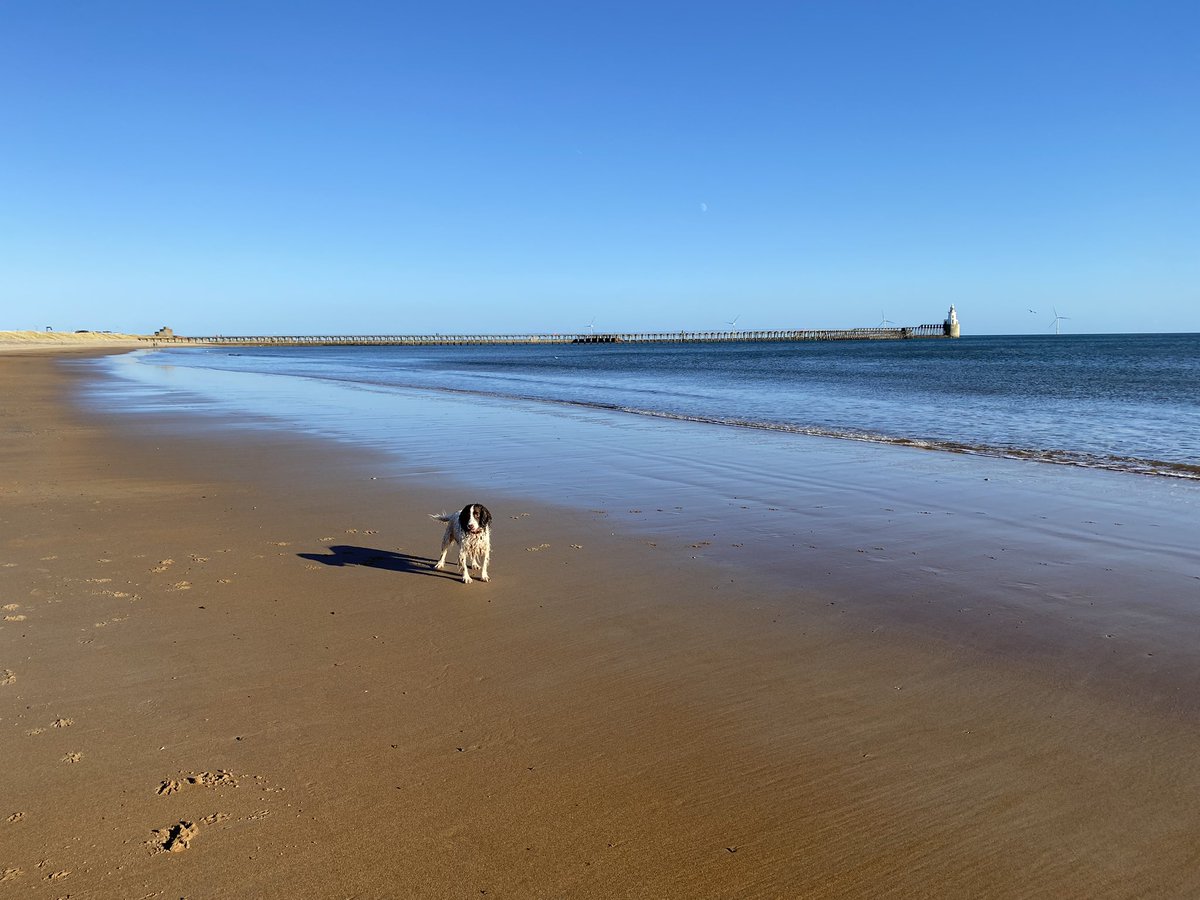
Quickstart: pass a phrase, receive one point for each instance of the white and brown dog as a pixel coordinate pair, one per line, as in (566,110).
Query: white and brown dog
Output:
(471,529)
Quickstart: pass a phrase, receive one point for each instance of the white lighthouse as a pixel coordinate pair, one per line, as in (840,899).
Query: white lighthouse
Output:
(950,326)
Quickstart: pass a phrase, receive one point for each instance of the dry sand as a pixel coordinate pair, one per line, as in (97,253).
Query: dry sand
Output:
(62,341)
(227,670)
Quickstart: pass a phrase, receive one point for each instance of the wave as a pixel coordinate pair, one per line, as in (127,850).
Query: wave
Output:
(1127,464)
(1081,459)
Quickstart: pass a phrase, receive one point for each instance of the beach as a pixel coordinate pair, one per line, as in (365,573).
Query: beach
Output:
(65,342)
(226,669)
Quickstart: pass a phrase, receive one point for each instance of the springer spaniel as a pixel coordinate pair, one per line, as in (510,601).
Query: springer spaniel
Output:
(471,529)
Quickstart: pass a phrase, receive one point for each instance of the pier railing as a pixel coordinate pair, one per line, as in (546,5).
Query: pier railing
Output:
(655,337)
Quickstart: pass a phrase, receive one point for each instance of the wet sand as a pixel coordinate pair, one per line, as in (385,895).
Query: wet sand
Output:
(227,670)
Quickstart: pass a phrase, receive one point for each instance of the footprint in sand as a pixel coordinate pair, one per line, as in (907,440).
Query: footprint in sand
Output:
(537,548)
(9,607)
(34,732)
(7,676)
(11,874)
(204,779)
(63,723)
(16,618)
(181,586)
(162,566)
(199,559)
(72,758)
(577,546)
(174,838)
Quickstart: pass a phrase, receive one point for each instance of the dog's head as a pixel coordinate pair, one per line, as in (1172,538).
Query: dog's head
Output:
(474,518)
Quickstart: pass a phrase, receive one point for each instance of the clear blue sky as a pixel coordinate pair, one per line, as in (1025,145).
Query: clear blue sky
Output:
(272,167)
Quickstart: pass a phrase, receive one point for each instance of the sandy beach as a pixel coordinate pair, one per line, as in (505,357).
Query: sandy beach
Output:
(226,669)
(66,342)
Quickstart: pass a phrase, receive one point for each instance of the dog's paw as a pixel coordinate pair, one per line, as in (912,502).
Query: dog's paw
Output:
(466,578)
(439,566)
(484,578)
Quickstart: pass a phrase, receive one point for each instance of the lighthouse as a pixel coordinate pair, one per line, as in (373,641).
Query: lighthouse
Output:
(950,326)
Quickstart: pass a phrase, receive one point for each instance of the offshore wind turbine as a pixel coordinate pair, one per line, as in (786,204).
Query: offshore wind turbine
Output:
(1057,319)
(885,321)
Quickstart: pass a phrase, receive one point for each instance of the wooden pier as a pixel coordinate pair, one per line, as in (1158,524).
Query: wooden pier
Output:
(660,337)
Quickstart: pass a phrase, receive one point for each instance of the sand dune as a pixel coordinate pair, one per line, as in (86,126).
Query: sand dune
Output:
(64,340)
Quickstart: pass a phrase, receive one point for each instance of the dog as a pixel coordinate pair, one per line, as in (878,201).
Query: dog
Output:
(471,529)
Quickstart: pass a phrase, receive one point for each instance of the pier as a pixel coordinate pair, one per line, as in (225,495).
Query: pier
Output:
(942,330)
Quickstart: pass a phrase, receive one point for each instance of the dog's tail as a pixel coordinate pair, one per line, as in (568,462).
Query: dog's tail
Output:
(443,517)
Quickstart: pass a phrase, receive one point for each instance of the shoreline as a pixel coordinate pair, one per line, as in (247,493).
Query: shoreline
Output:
(1091,453)
(1042,566)
(606,718)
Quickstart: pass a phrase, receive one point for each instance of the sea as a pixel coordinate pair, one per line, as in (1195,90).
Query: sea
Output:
(1125,403)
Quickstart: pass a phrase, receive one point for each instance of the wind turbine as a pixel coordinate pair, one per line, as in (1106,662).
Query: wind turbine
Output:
(734,322)
(1057,319)
(885,322)
(590,324)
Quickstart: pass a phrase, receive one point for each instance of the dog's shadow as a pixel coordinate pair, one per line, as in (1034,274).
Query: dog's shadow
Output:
(344,555)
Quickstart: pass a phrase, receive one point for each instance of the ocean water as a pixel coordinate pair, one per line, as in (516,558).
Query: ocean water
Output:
(1129,403)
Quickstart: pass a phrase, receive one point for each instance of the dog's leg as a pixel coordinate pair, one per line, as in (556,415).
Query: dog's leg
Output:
(465,561)
(487,555)
(447,540)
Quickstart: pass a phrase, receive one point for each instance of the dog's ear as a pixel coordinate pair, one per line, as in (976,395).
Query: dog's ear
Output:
(483,515)
(464,517)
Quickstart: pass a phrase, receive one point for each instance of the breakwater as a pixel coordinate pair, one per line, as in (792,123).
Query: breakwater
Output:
(660,337)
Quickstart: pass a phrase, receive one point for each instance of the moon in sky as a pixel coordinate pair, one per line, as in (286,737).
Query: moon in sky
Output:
(703,207)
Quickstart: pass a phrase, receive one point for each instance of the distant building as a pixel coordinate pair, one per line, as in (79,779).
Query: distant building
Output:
(164,332)
(950,327)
